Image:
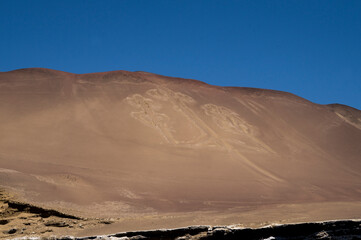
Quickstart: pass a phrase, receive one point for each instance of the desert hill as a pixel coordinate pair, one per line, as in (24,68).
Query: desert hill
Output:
(133,143)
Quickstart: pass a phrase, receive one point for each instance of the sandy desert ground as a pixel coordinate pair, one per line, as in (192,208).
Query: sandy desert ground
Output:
(127,151)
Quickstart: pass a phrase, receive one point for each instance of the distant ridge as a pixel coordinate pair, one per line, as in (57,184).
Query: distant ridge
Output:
(150,151)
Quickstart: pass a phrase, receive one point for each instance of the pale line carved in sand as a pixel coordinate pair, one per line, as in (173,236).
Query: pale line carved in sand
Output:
(227,120)
(230,121)
(149,113)
(180,102)
(356,125)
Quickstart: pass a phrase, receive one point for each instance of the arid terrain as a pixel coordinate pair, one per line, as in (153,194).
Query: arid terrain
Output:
(100,153)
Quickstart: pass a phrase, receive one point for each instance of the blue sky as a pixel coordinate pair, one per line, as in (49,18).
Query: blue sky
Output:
(310,48)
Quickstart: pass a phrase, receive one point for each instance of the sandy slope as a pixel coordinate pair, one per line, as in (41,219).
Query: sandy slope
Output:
(133,144)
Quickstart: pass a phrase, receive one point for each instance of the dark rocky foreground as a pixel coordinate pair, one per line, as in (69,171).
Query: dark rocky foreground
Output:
(345,230)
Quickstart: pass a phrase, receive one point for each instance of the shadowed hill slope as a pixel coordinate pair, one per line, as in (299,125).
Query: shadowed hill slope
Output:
(123,143)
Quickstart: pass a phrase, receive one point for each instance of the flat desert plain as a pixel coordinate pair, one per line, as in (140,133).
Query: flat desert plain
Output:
(124,151)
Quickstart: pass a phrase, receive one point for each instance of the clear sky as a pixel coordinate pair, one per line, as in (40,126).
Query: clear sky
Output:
(310,48)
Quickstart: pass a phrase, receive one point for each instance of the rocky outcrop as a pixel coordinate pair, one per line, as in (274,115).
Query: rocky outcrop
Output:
(345,230)
(19,220)
(42,212)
